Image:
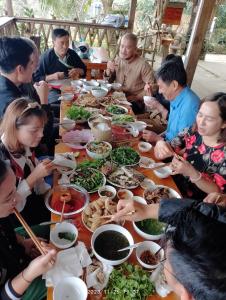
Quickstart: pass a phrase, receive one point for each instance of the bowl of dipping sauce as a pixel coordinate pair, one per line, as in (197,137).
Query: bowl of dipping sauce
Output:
(144,146)
(145,254)
(124,194)
(107,191)
(107,240)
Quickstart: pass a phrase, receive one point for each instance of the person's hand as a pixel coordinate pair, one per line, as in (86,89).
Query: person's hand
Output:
(216,198)
(57,76)
(30,248)
(163,150)
(43,169)
(42,90)
(40,265)
(151,136)
(75,73)
(130,210)
(181,166)
(111,66)
(148,89)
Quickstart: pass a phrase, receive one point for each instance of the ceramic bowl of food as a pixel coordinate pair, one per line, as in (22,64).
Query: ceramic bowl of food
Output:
(150,229)
(99,92)
(70,288)
(76,83)
(164,172)
(67,97)
(77,200)
(68,124)
(147,183)
(116,109)
(116,86)
(64,235)
(145,254)
(107,240)
(98,150)
(89,85)
(144,146)
(124,194)
(107,191)
(107,86)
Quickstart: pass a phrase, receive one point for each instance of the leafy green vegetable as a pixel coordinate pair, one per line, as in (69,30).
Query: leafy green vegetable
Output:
(125,156)
(89,179)
(67,236)
(129,282)
(77,113)
(122,119)
(95,164)
(116,110)
(151,226)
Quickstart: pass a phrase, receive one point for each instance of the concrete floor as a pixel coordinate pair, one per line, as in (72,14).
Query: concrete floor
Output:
(210,75)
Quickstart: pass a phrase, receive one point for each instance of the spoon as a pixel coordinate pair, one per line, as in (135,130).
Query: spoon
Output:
(130,247)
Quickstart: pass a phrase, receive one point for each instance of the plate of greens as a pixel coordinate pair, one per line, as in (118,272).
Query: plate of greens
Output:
(125,156)
(88,178)
(116,110)
(78,113)
(121,119)
(129,282)
(150,229)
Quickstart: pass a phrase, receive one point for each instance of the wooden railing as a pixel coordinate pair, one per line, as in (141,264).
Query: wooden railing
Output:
(94,34)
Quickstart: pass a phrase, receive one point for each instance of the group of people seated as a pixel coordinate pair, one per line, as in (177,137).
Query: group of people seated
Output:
(194,142)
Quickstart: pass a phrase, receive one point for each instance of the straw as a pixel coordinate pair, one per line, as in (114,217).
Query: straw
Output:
(29,231)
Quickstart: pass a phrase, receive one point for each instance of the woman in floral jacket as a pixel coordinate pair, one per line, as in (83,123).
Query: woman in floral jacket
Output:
(203,151)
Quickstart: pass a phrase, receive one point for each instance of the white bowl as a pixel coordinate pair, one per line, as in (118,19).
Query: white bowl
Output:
(89,85)
(116,86)
(147,183)
(107,188)
(67,97)
(76,83)
(117,228)
(144,146)
(68,124)
(120,106)
(163,172)
(124,194)
(153,248)
(95,155)
(99,92)
(70,288)
(63,227)
(107,86)
(145,235)
(139,199)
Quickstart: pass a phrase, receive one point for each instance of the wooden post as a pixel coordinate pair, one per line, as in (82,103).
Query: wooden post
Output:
(132,12)
(197,37)
(9,8)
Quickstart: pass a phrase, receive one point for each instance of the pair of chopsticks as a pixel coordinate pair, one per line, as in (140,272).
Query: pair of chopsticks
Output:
(161,166)
(29,231)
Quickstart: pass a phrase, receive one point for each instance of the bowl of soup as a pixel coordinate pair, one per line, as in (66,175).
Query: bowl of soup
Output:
(107,240)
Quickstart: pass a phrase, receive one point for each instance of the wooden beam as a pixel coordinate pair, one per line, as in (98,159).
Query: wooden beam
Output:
(132,12)
(197,37)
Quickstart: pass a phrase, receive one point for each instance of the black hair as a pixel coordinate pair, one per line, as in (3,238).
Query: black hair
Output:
(59,32)
(14,51)
(197,254)
(3,170)
(172,69)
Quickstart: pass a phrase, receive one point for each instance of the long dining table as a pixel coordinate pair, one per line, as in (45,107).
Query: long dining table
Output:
(85,234)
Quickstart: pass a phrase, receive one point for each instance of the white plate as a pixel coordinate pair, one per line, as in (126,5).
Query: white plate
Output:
(123,186)
(120,106)
(172,192)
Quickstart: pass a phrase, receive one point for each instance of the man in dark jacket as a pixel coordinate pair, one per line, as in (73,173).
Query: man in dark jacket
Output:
(59,62)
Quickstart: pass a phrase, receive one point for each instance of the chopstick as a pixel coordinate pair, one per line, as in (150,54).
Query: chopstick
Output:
(29,231)
(62,212)
(161,166)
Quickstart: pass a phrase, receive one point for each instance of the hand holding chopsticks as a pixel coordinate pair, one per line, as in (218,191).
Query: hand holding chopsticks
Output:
(29,231)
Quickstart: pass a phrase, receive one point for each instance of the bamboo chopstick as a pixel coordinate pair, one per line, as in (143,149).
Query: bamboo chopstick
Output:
(62,212)
(29,231)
